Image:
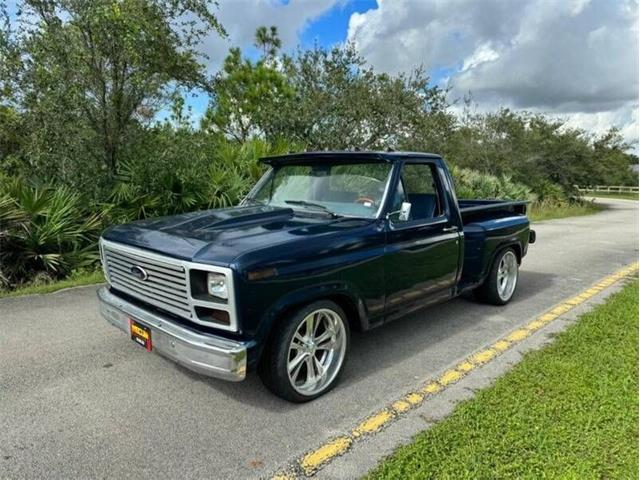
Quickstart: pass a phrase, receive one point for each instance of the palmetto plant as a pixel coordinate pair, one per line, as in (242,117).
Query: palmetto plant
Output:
(218,176)
(130,200)
(10,218)
(474,184)
(44,230)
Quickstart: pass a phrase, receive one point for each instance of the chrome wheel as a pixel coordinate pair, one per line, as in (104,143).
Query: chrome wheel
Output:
(507,275)
(316,351)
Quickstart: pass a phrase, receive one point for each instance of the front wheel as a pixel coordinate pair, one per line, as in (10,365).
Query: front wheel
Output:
(307,352)
(500,284)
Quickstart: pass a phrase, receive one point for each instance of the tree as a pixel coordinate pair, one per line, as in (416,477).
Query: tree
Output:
(268,41)
(245,96)
(90,71)
(538,151)
(340,102)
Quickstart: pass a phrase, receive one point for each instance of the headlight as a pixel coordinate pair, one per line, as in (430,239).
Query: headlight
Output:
(217,285)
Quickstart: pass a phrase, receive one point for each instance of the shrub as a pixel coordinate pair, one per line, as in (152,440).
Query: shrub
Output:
(188,172)
(45,232)
(473,184)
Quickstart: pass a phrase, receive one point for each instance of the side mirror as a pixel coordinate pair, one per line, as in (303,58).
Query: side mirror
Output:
(403,213)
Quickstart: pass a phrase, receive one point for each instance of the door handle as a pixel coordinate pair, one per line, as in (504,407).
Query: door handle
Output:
(452,228)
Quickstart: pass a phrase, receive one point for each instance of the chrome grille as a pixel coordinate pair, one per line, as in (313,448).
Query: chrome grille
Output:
(166,284)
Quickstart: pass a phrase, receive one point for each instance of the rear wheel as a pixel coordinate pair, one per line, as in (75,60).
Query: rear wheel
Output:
(500,284)
(307,352)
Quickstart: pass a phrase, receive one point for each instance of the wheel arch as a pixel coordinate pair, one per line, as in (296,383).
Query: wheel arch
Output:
(515,245)
(347,299)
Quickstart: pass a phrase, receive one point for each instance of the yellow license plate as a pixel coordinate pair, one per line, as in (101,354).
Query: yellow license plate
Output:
(141,334)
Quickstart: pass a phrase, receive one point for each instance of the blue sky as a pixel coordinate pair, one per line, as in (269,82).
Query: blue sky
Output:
(331,28)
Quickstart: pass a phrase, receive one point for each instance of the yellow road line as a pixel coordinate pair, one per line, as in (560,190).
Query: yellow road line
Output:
(450,376)
(284,476)
(431,388)
(518,335)
(465,366)
(501,345)
(373,423)
(414,398)
(400,406)
(483,356)
(312,461)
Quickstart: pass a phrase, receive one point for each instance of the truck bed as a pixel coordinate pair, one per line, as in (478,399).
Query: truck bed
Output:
(478,210)
(487,225)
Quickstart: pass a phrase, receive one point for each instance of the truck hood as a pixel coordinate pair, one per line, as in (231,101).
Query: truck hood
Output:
(220,236)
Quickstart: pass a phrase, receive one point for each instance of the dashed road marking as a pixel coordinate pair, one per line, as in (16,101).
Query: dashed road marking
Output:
(373,423)
(483,356)
(501,345)
(312,461)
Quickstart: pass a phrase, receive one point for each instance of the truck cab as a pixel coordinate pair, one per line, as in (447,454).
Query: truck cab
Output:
(325,243)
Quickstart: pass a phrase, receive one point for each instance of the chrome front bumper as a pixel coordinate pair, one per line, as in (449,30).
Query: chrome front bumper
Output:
(206,354)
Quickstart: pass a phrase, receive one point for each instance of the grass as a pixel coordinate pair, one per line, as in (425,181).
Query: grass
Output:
(74,281)
(621,196)
(569,410)
(545,211)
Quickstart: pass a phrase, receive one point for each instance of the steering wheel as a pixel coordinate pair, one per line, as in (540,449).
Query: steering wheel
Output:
(365,200)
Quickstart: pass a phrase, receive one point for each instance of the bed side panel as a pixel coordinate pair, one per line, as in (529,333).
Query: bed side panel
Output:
(483,239)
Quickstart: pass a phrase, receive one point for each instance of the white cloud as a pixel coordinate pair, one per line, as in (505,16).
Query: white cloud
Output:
(626,118)
(241,18)
(575,59)
(484,53)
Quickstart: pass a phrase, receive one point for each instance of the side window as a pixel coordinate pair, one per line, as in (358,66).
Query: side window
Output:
(420,189)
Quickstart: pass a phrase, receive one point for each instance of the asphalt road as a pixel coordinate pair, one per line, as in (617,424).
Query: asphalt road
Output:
(79,399)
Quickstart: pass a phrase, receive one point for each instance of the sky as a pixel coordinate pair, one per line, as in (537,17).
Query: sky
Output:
(576,60)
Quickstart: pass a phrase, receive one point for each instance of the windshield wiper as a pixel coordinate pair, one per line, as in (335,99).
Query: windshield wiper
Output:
(304,203)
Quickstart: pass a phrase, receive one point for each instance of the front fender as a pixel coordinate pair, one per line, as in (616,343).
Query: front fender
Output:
(343,293)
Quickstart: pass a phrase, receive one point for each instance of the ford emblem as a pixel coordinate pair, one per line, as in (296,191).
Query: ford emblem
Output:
(139,272)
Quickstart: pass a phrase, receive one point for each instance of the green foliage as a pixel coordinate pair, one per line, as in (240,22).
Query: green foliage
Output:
(86,73)
(473,184)
(339,102)
(42,286)
(539,152)
(245,97)
(183,171)
(268,41)
(549,209)
(44,231)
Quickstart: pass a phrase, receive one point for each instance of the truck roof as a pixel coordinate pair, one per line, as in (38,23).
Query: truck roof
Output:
(346,155)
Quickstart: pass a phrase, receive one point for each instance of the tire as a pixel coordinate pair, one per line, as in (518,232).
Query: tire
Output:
(501,282)
(292,349)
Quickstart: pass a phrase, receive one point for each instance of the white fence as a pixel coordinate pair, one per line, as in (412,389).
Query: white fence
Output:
(609,189)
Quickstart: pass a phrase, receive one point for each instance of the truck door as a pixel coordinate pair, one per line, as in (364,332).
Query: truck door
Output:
(422,251)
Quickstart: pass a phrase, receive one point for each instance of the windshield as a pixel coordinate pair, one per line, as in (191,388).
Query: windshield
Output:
(347,189)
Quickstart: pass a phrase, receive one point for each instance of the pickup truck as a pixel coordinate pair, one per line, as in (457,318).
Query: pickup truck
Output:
(324,244)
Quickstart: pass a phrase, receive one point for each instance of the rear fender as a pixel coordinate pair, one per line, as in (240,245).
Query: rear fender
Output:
(517,247)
